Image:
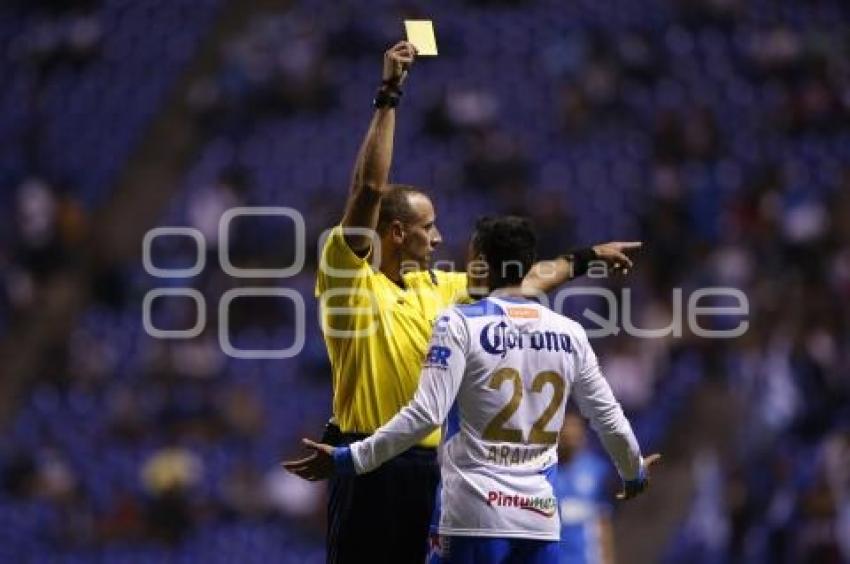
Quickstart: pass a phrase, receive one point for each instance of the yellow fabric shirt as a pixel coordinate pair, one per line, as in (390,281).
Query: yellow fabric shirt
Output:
(376,333)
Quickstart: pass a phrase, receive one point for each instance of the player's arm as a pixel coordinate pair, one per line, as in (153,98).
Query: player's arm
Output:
(371,170)
(596,402)
(439,382)
(547,275)
(438,386)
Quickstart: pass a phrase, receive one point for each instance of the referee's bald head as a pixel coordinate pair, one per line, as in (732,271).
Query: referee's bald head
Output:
(407,225)
(396,206)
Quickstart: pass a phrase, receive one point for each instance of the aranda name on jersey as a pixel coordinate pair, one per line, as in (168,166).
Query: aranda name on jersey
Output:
(498,338)
(505,455)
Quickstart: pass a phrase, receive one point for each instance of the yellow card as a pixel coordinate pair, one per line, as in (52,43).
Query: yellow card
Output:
(421,34)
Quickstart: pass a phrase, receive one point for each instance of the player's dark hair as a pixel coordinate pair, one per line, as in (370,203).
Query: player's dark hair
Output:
(395,205)
(508,244)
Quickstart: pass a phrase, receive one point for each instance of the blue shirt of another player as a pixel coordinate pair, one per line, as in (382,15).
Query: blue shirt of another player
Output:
(580,489)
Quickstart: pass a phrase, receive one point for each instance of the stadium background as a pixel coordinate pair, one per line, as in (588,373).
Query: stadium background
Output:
(716,131)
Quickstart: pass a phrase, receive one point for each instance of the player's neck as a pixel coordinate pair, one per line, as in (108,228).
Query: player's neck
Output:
(507,292)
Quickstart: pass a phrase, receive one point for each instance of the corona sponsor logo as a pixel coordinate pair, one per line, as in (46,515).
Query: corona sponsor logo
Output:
(498,338)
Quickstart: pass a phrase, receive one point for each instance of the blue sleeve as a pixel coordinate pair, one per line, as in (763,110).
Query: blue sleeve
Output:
(343,462)
(640,479)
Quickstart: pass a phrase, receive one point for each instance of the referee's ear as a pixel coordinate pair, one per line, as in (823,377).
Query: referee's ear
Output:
(397,231)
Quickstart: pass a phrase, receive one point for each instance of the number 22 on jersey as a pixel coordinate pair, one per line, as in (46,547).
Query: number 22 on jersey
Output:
(497,432)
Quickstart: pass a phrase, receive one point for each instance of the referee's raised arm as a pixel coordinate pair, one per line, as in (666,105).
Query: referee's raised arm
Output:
(371,170)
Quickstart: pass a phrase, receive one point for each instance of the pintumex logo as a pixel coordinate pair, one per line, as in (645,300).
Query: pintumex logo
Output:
(544,506)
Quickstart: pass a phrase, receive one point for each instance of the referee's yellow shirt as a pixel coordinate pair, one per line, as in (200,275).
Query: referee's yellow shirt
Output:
(376,333)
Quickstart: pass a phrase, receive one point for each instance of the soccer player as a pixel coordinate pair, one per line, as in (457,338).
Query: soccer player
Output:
(377,314)
(496,377)
(586,530)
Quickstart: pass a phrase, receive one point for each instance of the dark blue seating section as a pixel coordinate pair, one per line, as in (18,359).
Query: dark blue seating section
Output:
(716,132)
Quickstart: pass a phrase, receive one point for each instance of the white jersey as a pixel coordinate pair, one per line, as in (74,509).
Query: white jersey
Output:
(497,377)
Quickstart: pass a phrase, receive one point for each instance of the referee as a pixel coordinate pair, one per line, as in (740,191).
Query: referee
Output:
(377,315)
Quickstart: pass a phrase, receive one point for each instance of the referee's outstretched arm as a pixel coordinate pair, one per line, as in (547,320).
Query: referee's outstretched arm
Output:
(547,275)
(371,170)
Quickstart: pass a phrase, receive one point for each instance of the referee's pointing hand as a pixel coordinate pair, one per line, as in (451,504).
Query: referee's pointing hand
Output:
(614,254)
(318,466)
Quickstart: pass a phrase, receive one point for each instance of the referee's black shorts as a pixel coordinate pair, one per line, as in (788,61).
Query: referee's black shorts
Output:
(383,516)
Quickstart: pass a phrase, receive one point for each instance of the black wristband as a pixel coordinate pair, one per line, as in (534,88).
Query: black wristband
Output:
(387,97)
(581,259)
(332,434)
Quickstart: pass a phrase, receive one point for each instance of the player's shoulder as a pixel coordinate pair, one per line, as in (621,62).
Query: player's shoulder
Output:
(471,316)
(515,308)
(486,307)
(519,308)
(502,306)
(553,318)
(568,323)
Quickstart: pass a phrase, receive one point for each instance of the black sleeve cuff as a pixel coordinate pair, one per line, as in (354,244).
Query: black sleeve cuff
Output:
(581,259)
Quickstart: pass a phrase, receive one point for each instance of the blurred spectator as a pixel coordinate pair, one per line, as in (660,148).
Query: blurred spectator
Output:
(243,493)
(37,211)
(168,476)
(123,521)
(207,205)
(171,469)
(630,374)
(497,164)
(462,110)
(56,481)
(581,487)
(243,412)
(301,501)
(277,66)
(20,475)
(125,420)
(708,523)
